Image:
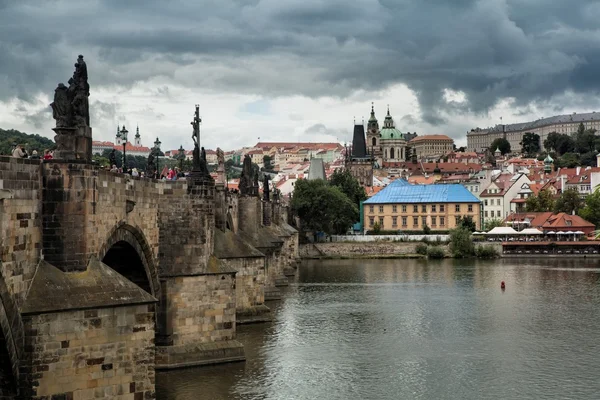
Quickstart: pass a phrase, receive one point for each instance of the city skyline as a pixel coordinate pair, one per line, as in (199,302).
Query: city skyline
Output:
(152,63)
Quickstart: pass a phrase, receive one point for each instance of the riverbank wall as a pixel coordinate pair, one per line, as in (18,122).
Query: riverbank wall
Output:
(360,250)
(369,250)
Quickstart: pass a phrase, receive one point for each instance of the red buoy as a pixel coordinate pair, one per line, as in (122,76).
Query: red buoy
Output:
(502,285)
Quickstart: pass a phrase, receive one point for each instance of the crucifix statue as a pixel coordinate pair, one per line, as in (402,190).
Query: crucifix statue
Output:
(196,137)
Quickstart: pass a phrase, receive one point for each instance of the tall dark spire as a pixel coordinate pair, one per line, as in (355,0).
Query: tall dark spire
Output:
(359,144)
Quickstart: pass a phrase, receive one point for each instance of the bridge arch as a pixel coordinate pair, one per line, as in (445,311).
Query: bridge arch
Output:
(127,251)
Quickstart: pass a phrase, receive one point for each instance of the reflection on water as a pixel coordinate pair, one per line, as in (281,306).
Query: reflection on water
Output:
(412,329)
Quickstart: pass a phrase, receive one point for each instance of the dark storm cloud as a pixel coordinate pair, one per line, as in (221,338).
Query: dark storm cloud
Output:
(532,50)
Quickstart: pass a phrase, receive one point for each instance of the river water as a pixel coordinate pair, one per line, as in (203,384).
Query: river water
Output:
(415,329)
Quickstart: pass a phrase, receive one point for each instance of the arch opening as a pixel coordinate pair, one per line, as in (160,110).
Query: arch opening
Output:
(123,258)
(374,142)
(392,153)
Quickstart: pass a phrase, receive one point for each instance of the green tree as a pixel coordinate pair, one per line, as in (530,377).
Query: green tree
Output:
(343,180)
(461,243)
(568,160)
(588,159)
(530,144)
(552,140)
(591,210)
(542,202)
(323,208)
(267,162)
(10,138)
(501,144)
(467,223)
(585,141)
(569,201)
(493,223)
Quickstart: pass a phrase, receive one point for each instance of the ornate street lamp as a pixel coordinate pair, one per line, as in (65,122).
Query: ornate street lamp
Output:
(181,157)
(157,147)
(124,133)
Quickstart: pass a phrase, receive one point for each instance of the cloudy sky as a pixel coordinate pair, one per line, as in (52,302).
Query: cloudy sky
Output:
(301,70)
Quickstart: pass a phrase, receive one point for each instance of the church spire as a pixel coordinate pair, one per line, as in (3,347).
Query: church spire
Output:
(373,124)
(138,141)
(389,122)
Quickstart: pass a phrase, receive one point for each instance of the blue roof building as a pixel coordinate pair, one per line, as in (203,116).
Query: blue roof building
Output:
(406,207)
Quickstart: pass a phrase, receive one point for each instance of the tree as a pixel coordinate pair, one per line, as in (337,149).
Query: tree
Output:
(267,162)
(542,202)
(461,243)
(467,223)
(588,159)
(585,141)
(493,223)
(552,140)
(501,144)
(568,160)
(591,211)
(530,144)
(323,208)
(343,180)
(569,201)
(10,138)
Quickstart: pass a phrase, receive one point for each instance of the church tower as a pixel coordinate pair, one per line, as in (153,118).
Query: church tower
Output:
(138,141)
(374,138)
(118,137)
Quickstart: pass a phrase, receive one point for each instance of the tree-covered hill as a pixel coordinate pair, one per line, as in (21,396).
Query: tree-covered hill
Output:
(9,138)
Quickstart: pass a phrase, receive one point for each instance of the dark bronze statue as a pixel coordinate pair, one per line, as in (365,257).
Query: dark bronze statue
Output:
(112,158)
(151,167)
(248,178)
(71,108)
(266,189)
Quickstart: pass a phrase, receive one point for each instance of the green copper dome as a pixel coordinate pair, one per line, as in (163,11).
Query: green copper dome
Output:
(548,160)
(389,131)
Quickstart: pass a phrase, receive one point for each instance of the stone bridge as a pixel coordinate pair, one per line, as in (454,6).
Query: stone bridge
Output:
(105,277)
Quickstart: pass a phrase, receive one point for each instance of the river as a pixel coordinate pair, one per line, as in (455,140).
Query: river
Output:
(415,329)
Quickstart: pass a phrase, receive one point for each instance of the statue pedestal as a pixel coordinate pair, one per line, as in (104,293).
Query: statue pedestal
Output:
(73,143)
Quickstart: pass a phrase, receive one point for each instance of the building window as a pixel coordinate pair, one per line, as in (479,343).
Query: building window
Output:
(457,208)
(442,221)
(485,202)
(416,209)
(381,222)
(442,208)
(394,209)
(415,222)
(470,209)
(457,220)
(403,208)
(380,209)
(404,221)
(433,208)
(433,221)
(497,202)
(371,221)
(424,221)
(486,213)
(394,222)
(371,209)
(498,213)
(424,208)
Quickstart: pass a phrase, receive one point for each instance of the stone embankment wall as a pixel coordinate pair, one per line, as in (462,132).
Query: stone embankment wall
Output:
(369,249)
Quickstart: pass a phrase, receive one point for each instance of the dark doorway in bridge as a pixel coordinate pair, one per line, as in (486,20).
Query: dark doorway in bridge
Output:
(124,259)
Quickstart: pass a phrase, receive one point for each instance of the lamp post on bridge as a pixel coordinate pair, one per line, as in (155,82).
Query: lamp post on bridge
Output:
(124,133)
(181,156)
(157,147)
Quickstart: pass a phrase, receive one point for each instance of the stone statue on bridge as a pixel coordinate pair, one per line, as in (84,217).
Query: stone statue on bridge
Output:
(150,166)
(266,188)
(71,111)
(249,178)
(199,168)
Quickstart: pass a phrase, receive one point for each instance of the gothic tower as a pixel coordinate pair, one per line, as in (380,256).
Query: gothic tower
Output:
(138,141)
(374,138)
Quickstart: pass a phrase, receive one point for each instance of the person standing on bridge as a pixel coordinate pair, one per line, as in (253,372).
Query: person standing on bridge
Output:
(19,152)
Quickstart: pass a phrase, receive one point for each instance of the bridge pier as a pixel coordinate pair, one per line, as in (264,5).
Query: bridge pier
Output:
(196,323)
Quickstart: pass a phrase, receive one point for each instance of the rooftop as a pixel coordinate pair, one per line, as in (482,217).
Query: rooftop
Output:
(430,137)
(400,191)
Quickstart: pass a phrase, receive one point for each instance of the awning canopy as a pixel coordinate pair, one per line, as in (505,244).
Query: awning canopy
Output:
(579,233)
(502,230)
(531,231)
(551,233)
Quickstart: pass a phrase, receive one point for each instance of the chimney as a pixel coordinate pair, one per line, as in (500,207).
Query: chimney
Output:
(562,183)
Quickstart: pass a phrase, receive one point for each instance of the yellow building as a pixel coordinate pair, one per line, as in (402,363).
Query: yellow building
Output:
(431,145)
(405,207)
